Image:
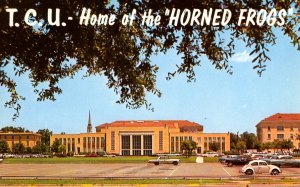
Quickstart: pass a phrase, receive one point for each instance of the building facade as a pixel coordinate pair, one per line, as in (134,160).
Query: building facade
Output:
(142,138)
(28,139)
(281,127)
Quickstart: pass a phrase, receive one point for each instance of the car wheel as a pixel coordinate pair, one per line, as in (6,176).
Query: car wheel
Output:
(156,163)
(175,163)
(249,172)
(274,172)
(229,164)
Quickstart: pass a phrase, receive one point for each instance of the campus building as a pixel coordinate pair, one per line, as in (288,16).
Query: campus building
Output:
(28,139)
(141,138)
(281,127)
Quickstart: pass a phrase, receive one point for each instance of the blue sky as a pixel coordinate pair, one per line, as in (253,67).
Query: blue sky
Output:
(217,100)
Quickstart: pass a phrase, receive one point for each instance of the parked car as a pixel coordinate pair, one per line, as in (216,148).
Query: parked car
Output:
(8,155)
(239,160)
(210,154)
(260,166)
(285,162)
(222,159)
(164,160)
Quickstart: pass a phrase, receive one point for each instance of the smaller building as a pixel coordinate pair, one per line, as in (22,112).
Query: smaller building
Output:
(280,126)
(28,139)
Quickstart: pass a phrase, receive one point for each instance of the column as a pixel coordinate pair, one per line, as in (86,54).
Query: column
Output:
(142,144)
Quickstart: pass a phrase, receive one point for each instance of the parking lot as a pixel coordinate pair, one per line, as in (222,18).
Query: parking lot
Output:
(145,170)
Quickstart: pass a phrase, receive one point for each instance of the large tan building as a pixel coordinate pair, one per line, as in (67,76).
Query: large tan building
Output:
(142,138)
(28,139)
(281,127)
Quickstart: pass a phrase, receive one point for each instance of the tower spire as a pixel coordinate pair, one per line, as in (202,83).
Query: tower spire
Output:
(89,126)
(89,122)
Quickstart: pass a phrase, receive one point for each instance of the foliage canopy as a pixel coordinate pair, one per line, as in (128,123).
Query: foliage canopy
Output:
(121,53)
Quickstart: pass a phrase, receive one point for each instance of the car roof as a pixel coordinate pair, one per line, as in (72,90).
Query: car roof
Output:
(257,161)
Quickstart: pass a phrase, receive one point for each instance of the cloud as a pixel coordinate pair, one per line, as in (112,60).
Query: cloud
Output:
(241,57)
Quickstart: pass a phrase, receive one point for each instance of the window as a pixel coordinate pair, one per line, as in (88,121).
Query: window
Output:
(190,138)
(263,164)
(125,145)
(223,146)
(27,143)
(69,145)
(84,141)
(292,129)
(28,137)
(254,164)
(269,128)
(112,146)
(280,128)
(98,143)
(199,139)
(177,144)
(136,144)
(280,136)
(291,136)
(161,139)
(269,136)
(73,144)
(147,144)
(172,144)
(103,145)
(78,140)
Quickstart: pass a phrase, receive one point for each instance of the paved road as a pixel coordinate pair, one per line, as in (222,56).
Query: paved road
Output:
(187,170)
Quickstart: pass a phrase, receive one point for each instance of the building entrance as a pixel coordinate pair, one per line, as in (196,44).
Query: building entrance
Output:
(135,144)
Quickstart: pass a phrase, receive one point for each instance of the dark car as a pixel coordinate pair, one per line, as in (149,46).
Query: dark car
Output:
(282,160)
(285,162)
(222,159)
(240,160)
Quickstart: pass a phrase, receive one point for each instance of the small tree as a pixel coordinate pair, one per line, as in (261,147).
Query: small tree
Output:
(55,146)
(214,146)
(28,150)
(188,147)
(4,147)
(267,146)
(62,149)
(258,146)
(18,148)
(241,146)
(276,144)
(37,149)
(287,144)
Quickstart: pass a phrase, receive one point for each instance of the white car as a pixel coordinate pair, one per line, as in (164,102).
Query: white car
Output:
(260,166)
(164,160)
(210,154)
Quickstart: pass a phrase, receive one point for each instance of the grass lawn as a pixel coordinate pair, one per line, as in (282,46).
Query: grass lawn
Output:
(193,182)
(90,160)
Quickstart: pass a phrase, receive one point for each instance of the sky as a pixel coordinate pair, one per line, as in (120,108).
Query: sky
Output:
(218,101)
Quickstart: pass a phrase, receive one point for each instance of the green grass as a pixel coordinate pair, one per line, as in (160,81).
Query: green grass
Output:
(90,160)
(193,182)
